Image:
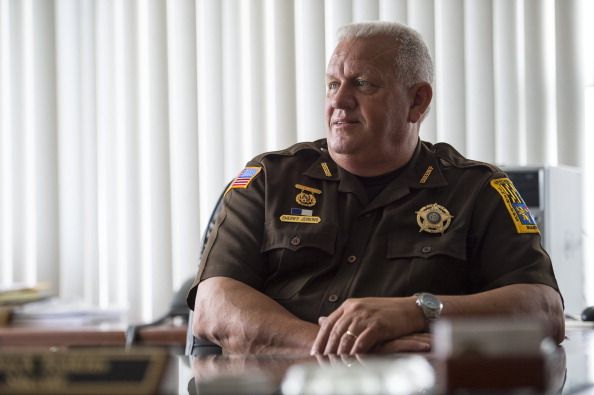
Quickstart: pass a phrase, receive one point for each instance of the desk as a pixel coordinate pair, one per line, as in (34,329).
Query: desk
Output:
(573,370)
(263,374)
(89,336)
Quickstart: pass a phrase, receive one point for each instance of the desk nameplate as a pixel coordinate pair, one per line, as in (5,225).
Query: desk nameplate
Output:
(82,371)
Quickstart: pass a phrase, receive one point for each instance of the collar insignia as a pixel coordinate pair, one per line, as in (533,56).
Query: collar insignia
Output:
(433,218)
(326,169)
(426,175)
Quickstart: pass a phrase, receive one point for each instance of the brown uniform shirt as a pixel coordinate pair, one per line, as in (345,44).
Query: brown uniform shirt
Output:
(344,246)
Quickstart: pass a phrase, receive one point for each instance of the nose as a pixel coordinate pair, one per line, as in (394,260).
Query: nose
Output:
(343,98)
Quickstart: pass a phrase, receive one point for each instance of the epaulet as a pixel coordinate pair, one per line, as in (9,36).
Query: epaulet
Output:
(312,146)
(449,157)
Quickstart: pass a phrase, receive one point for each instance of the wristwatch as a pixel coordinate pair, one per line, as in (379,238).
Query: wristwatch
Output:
(430,305)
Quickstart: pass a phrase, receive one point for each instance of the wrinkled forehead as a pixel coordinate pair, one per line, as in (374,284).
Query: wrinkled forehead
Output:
(375,51)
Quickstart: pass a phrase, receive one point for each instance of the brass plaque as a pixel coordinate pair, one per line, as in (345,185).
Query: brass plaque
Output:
(82,371)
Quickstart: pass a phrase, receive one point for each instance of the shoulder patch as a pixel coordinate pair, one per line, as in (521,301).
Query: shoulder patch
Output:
(517,208)
(245,177)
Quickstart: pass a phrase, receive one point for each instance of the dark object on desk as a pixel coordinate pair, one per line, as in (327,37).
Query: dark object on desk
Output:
(588,314)
(476,373)
(178,308)
(488,354)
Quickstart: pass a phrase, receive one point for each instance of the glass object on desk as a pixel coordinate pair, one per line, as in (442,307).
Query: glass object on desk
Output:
(403,375)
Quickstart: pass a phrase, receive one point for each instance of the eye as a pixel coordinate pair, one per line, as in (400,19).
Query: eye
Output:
(333,85)
(362,83)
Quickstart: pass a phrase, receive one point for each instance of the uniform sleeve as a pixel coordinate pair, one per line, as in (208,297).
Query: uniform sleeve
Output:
(501,254)
(233,248)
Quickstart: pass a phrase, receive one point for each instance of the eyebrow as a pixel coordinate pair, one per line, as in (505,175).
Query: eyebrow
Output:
(366,73)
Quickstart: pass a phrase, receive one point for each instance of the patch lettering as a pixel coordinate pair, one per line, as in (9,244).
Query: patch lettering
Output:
(517,208)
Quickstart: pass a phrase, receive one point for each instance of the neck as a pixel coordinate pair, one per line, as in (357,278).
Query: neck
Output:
(377,165)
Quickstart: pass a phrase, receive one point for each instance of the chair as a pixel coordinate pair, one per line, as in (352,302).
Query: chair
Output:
(179,308)
(196,346)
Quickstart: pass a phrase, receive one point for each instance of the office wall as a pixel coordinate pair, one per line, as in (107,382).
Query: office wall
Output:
(120,121)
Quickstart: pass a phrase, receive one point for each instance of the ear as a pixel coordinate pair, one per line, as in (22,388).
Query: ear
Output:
(421,95)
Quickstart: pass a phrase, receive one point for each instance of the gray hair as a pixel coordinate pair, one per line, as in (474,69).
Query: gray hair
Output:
(413,62)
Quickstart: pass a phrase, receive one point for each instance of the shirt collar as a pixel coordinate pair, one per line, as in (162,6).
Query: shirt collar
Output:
(422,171)
(324,167)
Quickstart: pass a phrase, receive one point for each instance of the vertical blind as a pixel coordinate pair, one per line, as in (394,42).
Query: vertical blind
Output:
(121,121)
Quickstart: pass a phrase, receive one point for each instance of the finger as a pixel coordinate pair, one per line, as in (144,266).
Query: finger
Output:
(365,342)
(337,336)
(321,320)
(336,325)
(404,345)
(360,359)
(346,342)
(371,341)
(424,337)
(334,359)
(421,337)
(326,327)
(322,359)
(349,360)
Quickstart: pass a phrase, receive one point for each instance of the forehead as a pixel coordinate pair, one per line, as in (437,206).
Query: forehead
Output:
(363,54)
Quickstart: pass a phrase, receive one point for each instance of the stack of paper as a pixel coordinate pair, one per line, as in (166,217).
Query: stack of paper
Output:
(61,312)
(16,295)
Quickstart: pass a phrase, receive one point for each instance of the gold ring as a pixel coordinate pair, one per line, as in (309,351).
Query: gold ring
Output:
(351,334)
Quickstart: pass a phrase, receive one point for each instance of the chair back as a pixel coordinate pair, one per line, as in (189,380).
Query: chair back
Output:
(196,346)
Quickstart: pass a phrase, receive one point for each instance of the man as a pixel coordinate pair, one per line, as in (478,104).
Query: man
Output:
(354,244)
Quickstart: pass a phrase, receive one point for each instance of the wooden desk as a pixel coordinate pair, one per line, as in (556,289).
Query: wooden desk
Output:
(89,336)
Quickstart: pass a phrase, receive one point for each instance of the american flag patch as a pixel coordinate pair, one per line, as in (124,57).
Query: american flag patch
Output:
(245,177)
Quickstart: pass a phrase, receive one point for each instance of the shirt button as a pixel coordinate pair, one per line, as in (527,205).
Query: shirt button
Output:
(426,249)
(352,259)
(295,241)
(332,298)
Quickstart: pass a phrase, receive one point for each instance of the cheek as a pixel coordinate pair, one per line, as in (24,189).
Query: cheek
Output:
(398,114)
(328,111)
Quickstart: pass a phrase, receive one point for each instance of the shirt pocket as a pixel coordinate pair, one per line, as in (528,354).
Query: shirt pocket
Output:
(431,263)
(295,254)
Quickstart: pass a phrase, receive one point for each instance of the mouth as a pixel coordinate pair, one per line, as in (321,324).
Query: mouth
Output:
(344,123)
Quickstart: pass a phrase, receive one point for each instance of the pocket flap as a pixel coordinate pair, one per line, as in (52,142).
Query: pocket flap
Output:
(297,236)
(450,244)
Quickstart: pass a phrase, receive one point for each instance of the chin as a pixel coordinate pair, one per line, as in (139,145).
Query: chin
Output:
(341,144)
(339,147)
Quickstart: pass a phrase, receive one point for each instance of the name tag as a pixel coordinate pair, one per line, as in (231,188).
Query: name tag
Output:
(84,371)
(304,219)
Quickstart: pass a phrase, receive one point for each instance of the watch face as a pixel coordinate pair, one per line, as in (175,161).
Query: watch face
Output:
(430,305)
(431,302)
